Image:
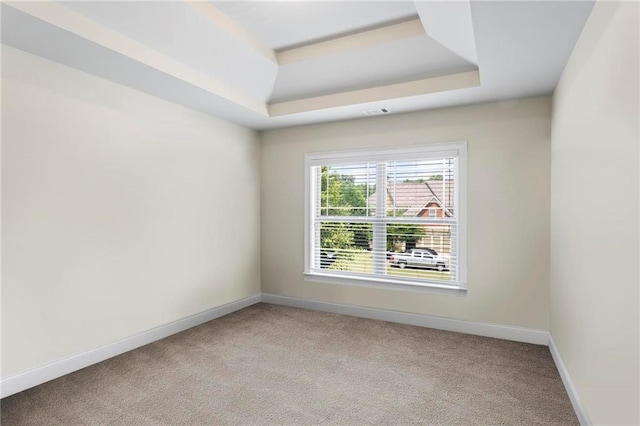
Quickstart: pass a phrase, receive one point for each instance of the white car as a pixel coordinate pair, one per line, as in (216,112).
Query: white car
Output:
(420,258)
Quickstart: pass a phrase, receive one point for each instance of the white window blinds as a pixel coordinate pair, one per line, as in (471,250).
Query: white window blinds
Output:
(393,215)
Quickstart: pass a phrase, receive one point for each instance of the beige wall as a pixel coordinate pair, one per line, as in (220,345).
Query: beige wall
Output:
(594,251)
(508,208)
(120,211)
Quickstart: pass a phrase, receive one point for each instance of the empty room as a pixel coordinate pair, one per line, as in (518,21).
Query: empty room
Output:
(320,212)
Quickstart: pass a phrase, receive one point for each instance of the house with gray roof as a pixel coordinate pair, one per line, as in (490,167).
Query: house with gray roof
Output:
(429,198)
(432,198)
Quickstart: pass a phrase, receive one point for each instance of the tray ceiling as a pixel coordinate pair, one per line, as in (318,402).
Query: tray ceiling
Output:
(285,24)
(413,58)
(270,64)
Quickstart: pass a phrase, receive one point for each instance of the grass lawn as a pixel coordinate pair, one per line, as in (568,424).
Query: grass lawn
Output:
(363,262)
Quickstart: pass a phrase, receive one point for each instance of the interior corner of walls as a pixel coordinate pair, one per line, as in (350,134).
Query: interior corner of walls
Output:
(496,130)
(156,175)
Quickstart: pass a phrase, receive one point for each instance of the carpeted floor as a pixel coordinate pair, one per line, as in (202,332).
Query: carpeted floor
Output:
(273,365)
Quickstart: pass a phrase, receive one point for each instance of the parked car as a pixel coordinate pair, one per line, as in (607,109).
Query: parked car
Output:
(420,258)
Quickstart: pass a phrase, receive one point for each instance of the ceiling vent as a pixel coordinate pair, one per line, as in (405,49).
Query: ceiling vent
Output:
(376,111)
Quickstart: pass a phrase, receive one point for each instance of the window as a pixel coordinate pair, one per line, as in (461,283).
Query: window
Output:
(368,220)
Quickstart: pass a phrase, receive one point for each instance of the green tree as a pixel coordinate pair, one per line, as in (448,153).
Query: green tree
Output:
(337,236)
(407,233)
(341,196)
(398,233)
(331,199)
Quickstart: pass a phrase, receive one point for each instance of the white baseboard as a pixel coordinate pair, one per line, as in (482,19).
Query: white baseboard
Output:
(518,334)
(583,417)
(25,380)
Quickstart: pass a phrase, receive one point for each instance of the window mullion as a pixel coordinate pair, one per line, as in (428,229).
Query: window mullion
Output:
(379,226)
(316,196)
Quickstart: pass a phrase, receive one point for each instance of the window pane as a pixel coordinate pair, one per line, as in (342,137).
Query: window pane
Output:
(345,189)
(421,251)
(415,187)
(345,247)
(413,250)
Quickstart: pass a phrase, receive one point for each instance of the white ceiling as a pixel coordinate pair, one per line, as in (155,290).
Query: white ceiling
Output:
(217,57)
(188,36)
(398,61)
(284,24)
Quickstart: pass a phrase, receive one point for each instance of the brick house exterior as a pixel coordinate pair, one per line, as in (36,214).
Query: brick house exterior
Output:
(428,199)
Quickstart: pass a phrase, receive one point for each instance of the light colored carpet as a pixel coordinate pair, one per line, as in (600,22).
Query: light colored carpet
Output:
(274,365)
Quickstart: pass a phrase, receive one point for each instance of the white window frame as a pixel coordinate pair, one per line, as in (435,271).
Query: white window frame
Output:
(432,150)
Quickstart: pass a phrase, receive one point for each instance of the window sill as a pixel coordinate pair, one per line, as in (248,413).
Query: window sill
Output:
(449,289)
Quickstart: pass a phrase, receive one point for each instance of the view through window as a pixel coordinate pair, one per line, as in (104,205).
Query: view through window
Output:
(390,215)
